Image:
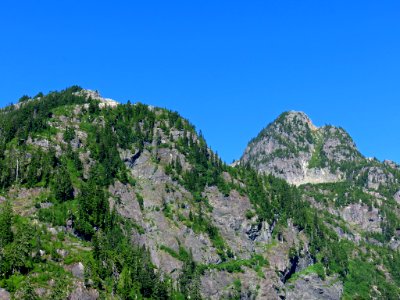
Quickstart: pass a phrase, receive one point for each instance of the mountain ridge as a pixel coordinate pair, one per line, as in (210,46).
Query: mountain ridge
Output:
(128,201)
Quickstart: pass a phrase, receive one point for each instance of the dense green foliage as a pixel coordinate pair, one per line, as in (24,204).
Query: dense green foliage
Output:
(32,116)
(20,256)
(30,119)
(207,167)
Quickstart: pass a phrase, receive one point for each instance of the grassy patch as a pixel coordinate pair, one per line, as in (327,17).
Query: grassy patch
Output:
(256,262)
(66,110)
(182,255)
(317,268)
(59,213)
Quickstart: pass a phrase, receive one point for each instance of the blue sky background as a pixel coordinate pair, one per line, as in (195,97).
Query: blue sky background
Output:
(231,67)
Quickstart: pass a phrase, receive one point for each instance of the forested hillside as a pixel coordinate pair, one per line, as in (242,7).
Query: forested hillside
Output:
(100,200)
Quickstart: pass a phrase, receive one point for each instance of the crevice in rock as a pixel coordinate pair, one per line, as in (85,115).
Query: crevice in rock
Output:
(131,160)
(254,231)
(292,269)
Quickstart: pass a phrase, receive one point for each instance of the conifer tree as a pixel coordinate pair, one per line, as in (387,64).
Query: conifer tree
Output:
(63,188)
(6,216)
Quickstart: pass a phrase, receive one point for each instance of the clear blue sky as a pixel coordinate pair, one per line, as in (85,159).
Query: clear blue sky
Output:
(229,66)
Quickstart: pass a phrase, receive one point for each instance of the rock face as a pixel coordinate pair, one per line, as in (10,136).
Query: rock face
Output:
(397,197)
(229,216)
(311,287)
(368,219)
(81,293)
(376,177)
(296,150)
(78,270)
(158,191)
(96,95)
(4,295)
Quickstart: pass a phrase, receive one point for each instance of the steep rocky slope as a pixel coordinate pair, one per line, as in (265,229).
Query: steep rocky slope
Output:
(334,175)
(128,201)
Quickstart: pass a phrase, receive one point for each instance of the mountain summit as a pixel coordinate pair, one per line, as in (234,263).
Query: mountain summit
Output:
(293,148)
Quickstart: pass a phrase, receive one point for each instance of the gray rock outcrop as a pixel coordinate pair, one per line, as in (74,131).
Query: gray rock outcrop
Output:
(82,293)
(311,287)
(4,295)
(376,177)
(368,219)
(397,197)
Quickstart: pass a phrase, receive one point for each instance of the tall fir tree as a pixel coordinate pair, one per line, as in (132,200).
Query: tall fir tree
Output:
(6,216)
(62,187)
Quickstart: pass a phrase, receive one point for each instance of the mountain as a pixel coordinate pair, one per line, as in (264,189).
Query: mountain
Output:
(293,148)
(101,200)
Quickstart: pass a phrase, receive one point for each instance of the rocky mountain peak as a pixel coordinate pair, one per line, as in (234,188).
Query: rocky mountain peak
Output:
(96,96)
(296,118)
(293,148)
(290,128)
(291,123)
